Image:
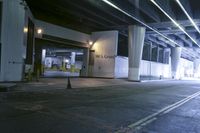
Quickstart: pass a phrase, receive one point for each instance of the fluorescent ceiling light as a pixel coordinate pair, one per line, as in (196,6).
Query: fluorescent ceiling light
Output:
(178,25)
(136,19)
(188,16)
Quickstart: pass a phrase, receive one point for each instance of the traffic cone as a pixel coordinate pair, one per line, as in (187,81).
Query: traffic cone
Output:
(69,84)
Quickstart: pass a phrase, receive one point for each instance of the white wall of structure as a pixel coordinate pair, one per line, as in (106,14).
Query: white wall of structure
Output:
(186,68)
(105,46)
(121,67)
(147,68)
(61,32)
(12,40)
(155,69)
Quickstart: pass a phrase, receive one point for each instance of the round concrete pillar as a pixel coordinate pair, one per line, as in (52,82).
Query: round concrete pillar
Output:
(135,48)
(175,60)
(73,58)
(84,70)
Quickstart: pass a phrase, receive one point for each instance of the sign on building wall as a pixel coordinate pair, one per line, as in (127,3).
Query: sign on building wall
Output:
(105,47)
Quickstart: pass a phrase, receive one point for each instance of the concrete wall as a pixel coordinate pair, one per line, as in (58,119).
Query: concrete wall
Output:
(13,19)
(155,69)
(28,15)
(61,32)
(121,67)
(185,68)
(85,64)
(147,68)
(105,47)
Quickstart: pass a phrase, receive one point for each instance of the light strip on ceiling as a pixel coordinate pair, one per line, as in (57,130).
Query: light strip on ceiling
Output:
(178,25)
(136,19)
(188,16)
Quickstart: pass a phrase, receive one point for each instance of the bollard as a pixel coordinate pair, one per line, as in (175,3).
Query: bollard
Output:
(68,83)
(37,75)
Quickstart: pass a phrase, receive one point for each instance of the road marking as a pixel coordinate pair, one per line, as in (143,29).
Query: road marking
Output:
(147,120)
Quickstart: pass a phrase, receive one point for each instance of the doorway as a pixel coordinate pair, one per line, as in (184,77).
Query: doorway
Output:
(59,60)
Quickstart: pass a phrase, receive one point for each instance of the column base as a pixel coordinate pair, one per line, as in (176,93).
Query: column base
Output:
(133,74)
(134,80)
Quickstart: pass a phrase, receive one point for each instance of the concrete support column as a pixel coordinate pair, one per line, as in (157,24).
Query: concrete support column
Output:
(166,55)
(43,56)
(175,60)
(84,70)
(136,42)
(158,53)
(63,63)
(73,57)
(91,62)
(150,59)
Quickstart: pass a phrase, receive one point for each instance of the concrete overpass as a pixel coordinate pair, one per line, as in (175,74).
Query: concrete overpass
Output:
(134,66)
(170,34)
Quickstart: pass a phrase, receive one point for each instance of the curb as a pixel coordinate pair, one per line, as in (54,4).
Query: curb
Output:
(7,87)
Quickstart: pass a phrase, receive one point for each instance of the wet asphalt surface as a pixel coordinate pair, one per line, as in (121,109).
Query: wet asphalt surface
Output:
(104,109)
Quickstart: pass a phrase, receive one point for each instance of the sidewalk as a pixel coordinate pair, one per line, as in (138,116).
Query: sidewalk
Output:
(61,83)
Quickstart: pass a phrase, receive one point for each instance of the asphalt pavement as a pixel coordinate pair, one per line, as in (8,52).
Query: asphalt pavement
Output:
(112,105)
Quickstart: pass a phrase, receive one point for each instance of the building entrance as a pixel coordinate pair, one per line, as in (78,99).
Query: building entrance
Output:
(59,60)
(63,62)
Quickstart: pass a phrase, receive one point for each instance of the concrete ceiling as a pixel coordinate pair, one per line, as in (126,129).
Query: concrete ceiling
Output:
(94,15)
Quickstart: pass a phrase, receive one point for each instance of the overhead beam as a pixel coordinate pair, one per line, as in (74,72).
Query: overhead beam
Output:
(126,8)
(190,54)
(166,7)
(91,13)
(172,31)
(183,38)
(185,23)
(157,42)
(162,42)
(169,15)
(186,6)
(130,15)
(187,12)
(109,11)
(146,9)
(47,16)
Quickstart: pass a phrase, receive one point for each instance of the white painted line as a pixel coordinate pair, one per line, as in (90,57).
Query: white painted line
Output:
(139,124)
(149,121)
